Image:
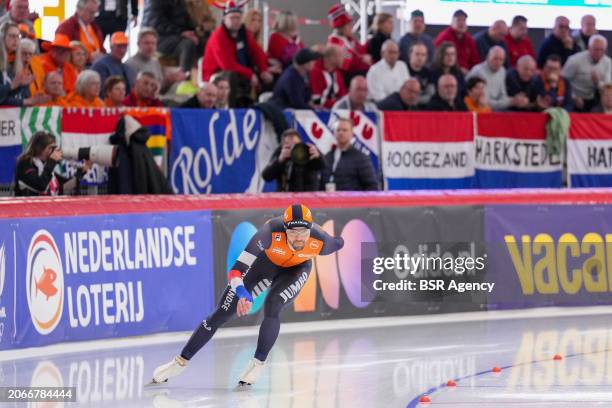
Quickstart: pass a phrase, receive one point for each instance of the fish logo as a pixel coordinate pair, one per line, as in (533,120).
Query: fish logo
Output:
(44,282)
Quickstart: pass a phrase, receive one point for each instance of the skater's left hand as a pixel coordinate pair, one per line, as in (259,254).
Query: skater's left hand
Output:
(244,306)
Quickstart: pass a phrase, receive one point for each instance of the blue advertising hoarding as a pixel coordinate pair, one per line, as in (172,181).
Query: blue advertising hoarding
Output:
(92,277)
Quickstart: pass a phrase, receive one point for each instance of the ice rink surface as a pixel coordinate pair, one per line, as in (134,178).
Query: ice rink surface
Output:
(384,362)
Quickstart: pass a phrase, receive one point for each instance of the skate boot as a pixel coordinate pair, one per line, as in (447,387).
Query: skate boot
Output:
(169,370)
(250,375)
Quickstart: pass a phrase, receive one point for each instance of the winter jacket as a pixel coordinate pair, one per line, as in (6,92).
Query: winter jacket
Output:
(291,90)
(221,54)
(354,171)
(35,178)
(169,17)
(135,171)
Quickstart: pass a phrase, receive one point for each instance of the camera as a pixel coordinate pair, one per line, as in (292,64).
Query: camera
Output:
(102,155)
(300,154)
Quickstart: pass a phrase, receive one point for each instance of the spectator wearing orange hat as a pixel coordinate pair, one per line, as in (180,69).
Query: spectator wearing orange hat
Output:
(111,64)
(56,59)
(86,91)
(54,90)
(355,61)
(25,32)
(82,27)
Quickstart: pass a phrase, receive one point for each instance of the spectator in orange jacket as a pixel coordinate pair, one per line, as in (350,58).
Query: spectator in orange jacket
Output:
(86,91)
(457,33)
(56,59)
(82,27)
(476,98)
(54,89)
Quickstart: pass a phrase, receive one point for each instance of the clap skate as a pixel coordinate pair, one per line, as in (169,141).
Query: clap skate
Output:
(164,372)
(250,375)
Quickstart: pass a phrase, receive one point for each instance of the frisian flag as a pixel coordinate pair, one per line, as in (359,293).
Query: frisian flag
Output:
(589,151)
(318,128)
(428,150)
(510,152)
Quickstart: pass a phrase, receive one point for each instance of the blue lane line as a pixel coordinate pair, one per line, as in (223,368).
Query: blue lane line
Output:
(415,401)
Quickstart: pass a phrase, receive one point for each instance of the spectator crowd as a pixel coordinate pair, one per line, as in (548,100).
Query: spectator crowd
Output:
(181,44)
(187,58)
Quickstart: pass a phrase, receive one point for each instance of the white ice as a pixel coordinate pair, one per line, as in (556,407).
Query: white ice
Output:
(380,362)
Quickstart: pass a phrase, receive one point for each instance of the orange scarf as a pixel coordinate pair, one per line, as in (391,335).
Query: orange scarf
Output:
(89,38)
(560,86)
(59,101)
(77,101)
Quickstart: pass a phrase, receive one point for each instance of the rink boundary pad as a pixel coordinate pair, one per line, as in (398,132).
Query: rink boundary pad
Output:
(101,205)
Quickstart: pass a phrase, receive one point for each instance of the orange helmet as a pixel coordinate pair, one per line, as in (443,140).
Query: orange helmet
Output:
(296,216)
